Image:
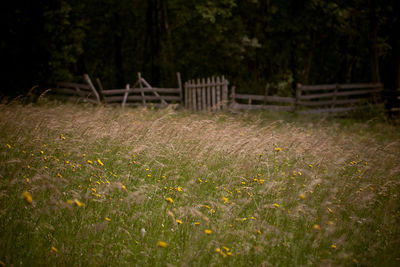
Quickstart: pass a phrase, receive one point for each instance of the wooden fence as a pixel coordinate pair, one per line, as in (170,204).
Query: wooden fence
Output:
(335,98)
(253,102)
(77,92)
(144,95)
(326,98)
(209,94)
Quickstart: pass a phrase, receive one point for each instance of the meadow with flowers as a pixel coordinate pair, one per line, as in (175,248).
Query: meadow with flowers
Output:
(88,186)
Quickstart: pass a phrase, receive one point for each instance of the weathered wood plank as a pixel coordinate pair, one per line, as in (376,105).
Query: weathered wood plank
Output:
(198,92)
(203,94)
(268,98)
(218,91)
(213,93)
(341,86)
(330,102)
(209,94)
(348,93)
(262,107)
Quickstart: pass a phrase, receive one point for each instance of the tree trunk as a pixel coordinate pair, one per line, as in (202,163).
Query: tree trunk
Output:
(309,58)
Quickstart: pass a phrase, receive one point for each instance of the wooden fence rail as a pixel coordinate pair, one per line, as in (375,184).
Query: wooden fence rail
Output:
(209,94)
(315,99)
(77,92)
(136,96)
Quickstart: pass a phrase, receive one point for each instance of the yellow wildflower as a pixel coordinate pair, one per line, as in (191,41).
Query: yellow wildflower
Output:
(62,136)
(59,175)
(54,249)
(278,149)
(179,221)
(259,232)
(90,162)
(8,146)
(196,223)
(276,205)
(333,246)
(83,155)
(208,232)
(162,244)
(331,211)
(69,202)
(226,248)
(27,196)
(78,203)
(170,200)
(99,162)
(179,189)
(123,187)
(226,200)
(316,227)
(108,219)
(302,196)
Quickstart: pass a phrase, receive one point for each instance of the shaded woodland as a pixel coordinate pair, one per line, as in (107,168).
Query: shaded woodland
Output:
(250,42)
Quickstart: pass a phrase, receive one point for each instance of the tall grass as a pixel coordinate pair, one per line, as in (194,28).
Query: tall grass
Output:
(167,187)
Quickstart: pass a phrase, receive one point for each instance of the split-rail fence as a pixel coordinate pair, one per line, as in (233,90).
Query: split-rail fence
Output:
(143,94)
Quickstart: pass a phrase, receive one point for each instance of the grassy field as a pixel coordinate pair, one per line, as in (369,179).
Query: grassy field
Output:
(89,186)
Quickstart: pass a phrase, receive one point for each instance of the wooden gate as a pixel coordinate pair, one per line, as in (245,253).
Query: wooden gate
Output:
(209,94)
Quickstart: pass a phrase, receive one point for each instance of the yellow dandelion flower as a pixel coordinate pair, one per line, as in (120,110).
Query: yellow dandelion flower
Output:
(218,250)
(108,219)
(253,218)
(78,203)
(179,189)
(41,152)
(196,223)
(54,249)
(90,162)
(170,200)
(229,253)
(311,166)
(226,248)
(259,232)
(179,221)
(243,183)
(162,244)
(316,227)
(62,137)
(99,162)
(69,202)
(8,146)
(261,181)
(333,246)
(59,175)
(302,196)
(208,231)
(331,211)
(27,196)
(226,200)
(276,205)
(278,149)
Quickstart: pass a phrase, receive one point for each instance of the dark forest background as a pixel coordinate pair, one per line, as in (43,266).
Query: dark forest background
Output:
(251,42)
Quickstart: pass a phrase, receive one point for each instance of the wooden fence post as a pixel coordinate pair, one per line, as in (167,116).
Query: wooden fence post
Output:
(203,94)
(218,93)
(224,93)
(213,94)
(198,89)
(178,76)
(298,96)
(125,95)
(141,88)
(89,82)
(233,95)
(208,94)
(193,89)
